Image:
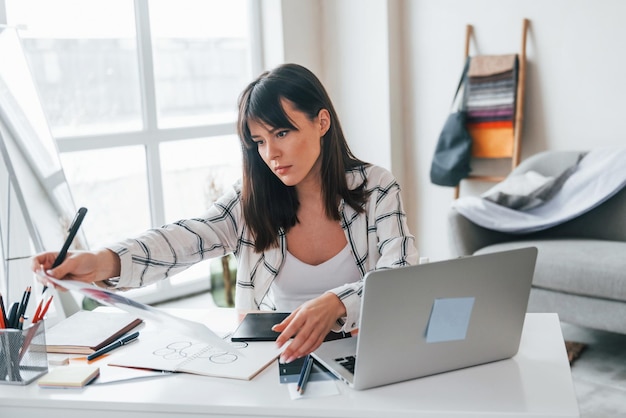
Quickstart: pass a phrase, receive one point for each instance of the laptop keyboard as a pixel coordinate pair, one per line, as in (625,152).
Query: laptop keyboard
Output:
(348,362)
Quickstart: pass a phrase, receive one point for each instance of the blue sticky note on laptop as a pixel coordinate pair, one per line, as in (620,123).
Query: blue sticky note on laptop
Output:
(449,319)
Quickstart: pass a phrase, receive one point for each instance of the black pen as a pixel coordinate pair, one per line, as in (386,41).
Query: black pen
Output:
(113,346)
(12,319)
(21,311)
(78,219)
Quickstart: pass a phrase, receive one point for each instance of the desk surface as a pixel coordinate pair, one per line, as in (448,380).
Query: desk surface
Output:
(536,382)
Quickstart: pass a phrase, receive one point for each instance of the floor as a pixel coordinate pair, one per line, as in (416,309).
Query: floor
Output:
(599,374)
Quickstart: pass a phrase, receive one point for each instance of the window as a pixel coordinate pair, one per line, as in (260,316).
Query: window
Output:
(141,98)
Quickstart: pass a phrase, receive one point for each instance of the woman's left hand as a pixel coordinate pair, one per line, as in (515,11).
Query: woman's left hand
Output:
(308,325)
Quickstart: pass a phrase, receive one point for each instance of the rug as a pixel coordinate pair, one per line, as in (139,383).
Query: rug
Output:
(574,350)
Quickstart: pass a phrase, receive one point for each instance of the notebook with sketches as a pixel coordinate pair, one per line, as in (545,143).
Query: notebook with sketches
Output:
(436,317)
(169,351)
(180,345)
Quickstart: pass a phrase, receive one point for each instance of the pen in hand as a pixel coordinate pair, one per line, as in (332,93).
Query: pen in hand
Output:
(78,219)
(122,341)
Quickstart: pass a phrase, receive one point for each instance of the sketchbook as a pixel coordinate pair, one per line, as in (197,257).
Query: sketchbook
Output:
(180,345)
(174,352)
(88,331)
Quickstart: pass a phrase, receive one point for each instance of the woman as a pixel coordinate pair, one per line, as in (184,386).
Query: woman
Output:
(306,222)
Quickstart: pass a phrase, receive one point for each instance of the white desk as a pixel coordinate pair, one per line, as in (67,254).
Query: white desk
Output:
(536,382)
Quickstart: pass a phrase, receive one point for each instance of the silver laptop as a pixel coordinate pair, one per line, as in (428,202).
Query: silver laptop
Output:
(436,317)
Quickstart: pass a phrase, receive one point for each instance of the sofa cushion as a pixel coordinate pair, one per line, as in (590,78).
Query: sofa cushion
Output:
(593,268)
(600,175)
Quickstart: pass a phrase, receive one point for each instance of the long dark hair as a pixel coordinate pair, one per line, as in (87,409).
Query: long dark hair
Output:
(268,204)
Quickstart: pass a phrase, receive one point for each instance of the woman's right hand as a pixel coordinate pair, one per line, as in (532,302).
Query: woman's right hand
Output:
(84,266)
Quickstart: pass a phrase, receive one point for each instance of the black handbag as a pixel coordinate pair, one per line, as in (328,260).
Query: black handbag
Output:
(451,162)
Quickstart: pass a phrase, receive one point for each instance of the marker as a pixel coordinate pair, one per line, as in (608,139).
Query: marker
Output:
(122,341)
(78,219)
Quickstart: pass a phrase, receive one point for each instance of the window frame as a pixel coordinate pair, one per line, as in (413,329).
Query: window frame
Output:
(150,136)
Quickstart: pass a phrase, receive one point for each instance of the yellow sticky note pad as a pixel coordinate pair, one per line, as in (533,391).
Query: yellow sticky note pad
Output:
(69,377)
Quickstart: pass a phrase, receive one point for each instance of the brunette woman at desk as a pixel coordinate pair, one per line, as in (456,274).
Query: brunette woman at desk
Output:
(306,222)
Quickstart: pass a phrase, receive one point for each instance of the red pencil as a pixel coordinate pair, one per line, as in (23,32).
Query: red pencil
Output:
(45,309)
(37,312)
(3,314)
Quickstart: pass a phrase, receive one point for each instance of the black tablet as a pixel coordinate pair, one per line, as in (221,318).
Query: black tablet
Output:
(257,326)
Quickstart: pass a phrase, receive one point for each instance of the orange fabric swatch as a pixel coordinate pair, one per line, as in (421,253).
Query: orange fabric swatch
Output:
(491,142)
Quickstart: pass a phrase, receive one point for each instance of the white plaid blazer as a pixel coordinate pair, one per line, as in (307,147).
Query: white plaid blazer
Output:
(379,238)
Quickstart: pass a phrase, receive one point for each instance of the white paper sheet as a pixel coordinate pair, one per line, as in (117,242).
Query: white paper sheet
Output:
(195,330)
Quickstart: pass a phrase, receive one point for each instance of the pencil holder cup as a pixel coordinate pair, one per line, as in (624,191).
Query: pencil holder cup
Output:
(23,355)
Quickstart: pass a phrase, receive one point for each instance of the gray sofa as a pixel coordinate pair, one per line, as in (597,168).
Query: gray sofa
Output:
(581,264)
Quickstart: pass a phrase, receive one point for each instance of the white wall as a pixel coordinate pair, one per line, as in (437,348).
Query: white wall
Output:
(576,55)
(291,33)
(356,63)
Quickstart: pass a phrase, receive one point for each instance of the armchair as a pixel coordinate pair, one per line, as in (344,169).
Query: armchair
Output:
(581,265)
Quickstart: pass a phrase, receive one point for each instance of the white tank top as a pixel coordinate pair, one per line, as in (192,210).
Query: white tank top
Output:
(298,282)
